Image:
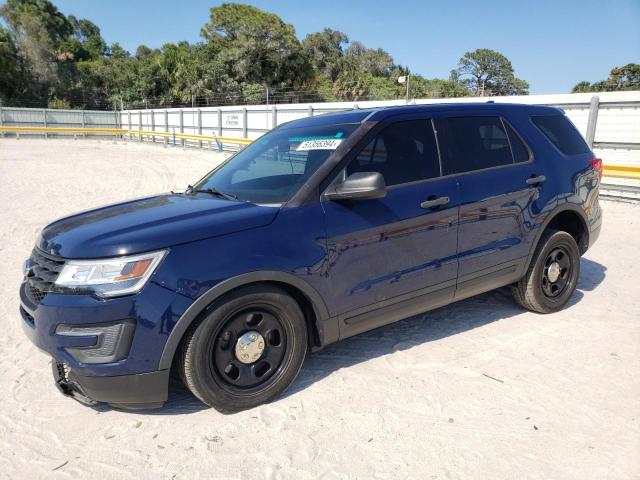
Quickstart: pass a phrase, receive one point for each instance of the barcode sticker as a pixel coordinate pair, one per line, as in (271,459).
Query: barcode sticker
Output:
(328,144)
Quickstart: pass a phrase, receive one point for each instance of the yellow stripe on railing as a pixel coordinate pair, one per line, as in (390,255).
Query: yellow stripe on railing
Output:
(620,171)
(187,136)
(617,171)
(4,128)
(120,131)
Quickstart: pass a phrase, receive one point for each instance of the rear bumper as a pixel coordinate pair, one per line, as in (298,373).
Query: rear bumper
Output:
(594,234)
(137,391)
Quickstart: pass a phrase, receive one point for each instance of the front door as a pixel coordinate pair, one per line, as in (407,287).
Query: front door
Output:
(393,250)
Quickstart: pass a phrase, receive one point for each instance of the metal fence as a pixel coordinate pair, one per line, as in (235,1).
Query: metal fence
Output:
(46,117)
(610,121)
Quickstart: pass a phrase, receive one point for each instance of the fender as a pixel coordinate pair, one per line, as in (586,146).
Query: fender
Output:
(327,331)
(549,217)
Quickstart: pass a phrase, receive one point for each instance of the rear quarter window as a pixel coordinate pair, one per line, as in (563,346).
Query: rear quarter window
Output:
(561,132)
(518,148)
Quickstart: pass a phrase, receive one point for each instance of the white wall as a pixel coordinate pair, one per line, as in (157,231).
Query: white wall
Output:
(618,118)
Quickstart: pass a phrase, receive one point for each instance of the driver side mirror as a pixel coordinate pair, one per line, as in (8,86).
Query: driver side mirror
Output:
(359,186)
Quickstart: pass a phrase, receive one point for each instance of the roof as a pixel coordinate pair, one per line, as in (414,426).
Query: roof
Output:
(380,113)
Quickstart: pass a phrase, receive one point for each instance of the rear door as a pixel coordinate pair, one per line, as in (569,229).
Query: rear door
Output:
(391,250)
(499,182)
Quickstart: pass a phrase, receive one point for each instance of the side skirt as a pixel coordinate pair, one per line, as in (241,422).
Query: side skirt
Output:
(394,309)
(490,278)
(424,300)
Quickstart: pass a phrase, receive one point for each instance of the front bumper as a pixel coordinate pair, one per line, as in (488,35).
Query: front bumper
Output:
(137,391)
(133,381)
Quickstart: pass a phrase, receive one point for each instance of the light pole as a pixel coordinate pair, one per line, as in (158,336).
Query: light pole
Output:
(267,109)
(405,79)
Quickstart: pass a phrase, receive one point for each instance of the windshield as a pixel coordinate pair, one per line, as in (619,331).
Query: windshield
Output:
(272,168)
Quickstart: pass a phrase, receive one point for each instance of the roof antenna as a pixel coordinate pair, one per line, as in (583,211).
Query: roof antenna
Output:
(490,101)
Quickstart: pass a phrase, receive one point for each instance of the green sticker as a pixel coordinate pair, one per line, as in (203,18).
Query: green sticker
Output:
(315,137)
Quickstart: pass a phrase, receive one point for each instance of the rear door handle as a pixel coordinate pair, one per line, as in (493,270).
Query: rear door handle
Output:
(536,180)
(435,202)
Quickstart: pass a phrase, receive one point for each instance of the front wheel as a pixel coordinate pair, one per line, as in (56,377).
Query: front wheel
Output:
(552,276)
(246,350)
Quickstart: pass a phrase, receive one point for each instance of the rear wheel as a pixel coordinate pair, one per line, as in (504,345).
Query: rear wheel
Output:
(552,276)
(246,350)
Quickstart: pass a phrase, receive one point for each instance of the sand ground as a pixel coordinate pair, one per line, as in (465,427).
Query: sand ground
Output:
(479,389)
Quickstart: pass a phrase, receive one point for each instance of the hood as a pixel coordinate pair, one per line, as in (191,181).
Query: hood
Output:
(150,224)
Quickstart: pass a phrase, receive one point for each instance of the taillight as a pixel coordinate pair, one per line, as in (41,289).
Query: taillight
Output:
(596,164)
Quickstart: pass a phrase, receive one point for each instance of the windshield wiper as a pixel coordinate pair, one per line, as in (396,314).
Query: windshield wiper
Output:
(213,191)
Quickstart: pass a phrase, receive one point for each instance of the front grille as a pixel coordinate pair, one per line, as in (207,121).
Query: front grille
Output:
(43,272)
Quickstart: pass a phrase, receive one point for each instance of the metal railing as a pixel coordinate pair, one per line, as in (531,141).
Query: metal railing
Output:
(614,171)
(620,171)
(610,123)
(60,130)
(126,134)
(601,118)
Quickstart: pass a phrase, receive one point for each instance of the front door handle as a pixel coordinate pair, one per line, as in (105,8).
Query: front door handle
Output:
(435,202)
(535,180)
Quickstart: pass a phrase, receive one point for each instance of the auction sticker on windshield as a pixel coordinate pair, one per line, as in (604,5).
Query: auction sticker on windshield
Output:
(324,144)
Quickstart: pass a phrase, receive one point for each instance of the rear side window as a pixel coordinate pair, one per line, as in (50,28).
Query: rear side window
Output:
(561,132)
(403,152)
(519,149)
(472,143)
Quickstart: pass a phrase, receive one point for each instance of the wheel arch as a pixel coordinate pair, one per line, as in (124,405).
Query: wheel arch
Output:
(316,314)
(571,219)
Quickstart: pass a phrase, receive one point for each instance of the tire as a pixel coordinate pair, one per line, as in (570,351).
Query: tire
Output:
(536,291)
(223,375)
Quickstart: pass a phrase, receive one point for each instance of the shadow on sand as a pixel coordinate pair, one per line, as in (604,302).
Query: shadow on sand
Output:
(432,326)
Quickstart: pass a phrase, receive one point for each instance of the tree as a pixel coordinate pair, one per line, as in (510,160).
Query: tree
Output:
(352,85)
(487,72)
(420,87)
(144,52)
(38,29)
(625,78)
(116,51)
(87,35)
(48,46)
(580,87)
(622,78)
(188,71)
(258,47)
(12,75)
(376,62)
(324,49)
(47,58)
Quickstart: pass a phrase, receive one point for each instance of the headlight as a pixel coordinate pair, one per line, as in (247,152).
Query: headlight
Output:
(109,277)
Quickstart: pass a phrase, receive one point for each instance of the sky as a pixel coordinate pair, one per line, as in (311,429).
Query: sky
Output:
(551,44)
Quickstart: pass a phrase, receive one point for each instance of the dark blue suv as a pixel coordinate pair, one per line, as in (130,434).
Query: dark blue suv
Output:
(321,229)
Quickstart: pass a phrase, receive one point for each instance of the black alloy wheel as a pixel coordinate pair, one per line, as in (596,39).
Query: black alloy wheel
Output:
(249,348)
(552,275)
(556,273)
(245,350)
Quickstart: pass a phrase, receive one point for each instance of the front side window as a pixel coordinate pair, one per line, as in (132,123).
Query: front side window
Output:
(271,169)
(403,152)
(472,143)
